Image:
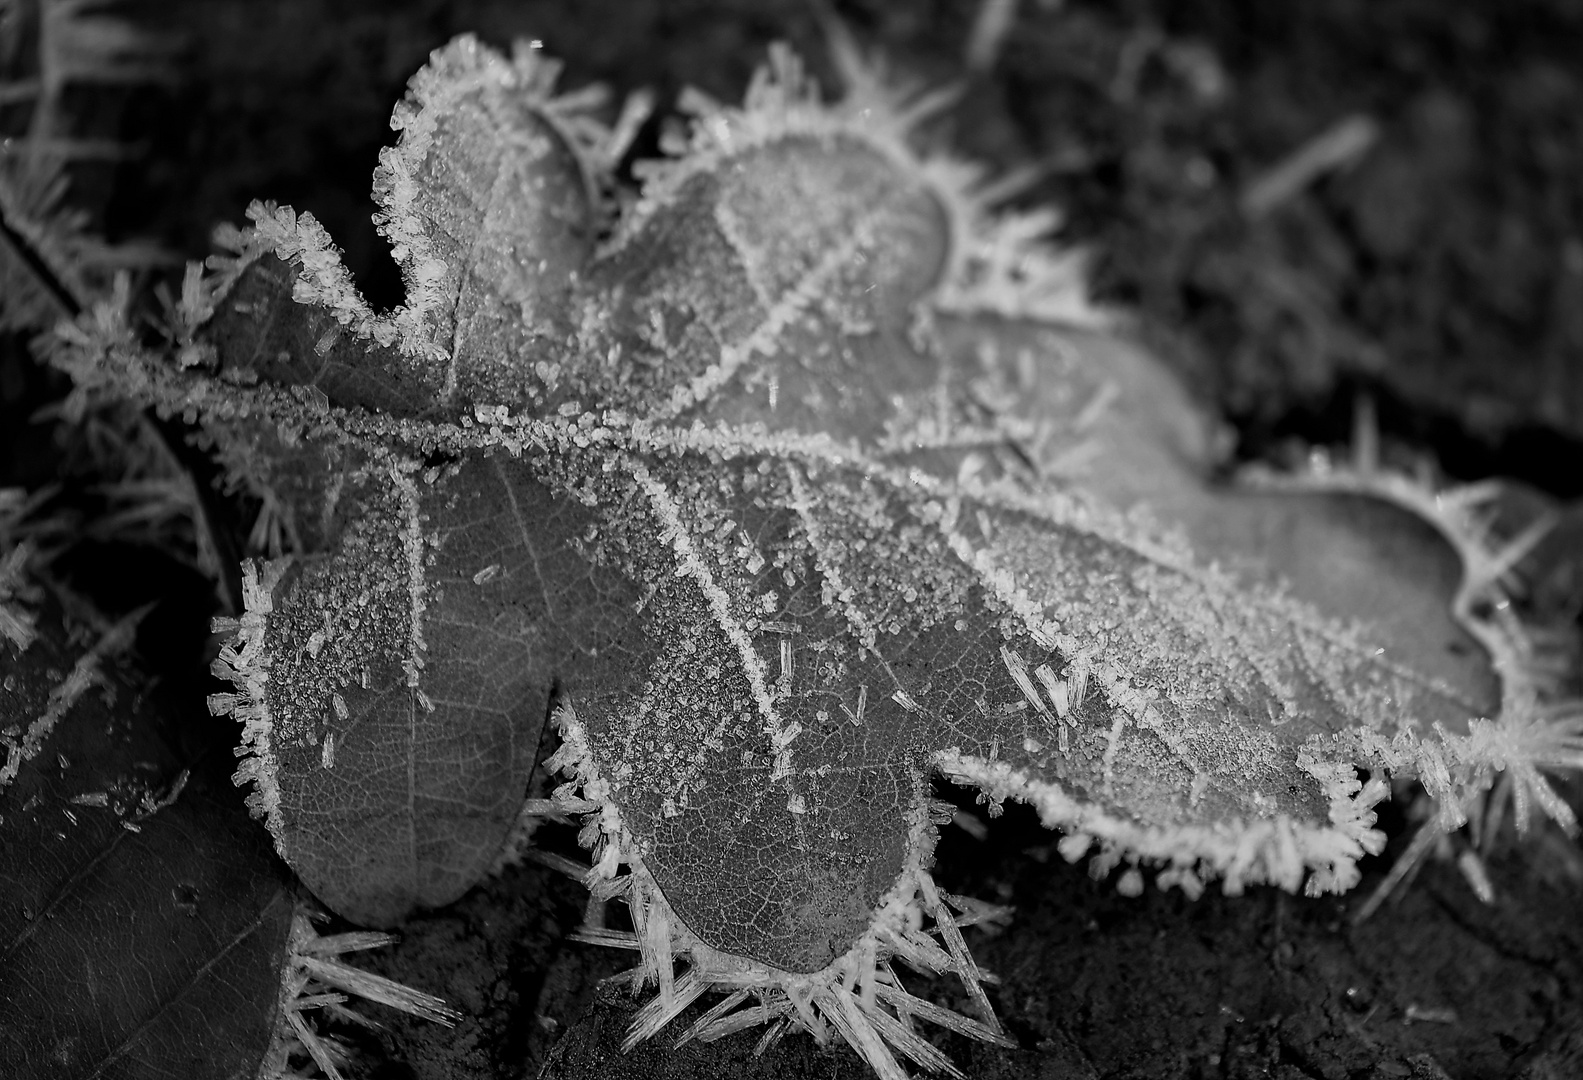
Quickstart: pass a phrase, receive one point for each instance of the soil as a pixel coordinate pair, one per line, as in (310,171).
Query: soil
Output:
(1437,275)
(1092,984)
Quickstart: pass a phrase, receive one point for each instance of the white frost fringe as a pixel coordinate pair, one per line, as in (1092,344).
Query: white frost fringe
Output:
(1468,777)
(1001,262)
(859,997)
(458,69)
(1279,851)
(315,979)
(244,662)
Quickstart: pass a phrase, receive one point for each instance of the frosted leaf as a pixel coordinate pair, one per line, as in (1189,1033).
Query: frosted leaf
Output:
(394,699)
(1104,417)
(489,205)
(806,505)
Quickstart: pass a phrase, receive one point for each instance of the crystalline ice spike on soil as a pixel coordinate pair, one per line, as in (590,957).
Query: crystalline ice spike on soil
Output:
(316,981)
(859,997)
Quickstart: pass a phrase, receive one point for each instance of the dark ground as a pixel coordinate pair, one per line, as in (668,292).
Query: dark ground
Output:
(1442,275)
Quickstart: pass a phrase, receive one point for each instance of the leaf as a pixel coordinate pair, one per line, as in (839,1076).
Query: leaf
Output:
(409,668)
(489,205)
(777,546)
(397,685)
(1110,420)
(144,928)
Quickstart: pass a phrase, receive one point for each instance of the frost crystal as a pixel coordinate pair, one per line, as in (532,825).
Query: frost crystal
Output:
(749,494)
(316,981)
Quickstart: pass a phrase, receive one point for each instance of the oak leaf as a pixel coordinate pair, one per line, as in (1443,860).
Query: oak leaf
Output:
(746,492)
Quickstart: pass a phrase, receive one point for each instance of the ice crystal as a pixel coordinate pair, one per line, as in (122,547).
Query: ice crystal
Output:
(315,980)
(743,481)
(50,262)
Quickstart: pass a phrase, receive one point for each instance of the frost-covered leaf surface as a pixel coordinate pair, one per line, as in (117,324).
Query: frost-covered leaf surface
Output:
(411,671)
(414,645)
(144,925)
(1351,556)
(749,492)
